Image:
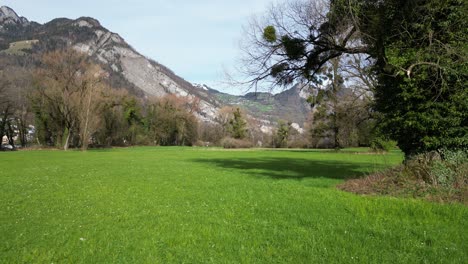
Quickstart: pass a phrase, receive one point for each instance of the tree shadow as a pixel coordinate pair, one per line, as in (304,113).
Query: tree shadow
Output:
(294,168)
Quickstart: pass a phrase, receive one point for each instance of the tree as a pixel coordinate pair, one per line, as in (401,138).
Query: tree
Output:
(233,122)
(170,121)
(281,135)
(5,110)
(237,125)
(416,50)
(91,103)
(210,133)
(344,122)
(15,83)
(66,97)
(225,114)
(114,128)
(339,110)
(133,119)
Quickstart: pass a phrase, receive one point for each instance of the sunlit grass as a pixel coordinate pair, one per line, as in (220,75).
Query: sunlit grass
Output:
(196,205)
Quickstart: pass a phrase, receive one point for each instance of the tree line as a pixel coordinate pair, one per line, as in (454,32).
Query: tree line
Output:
(67,100)
(63,99)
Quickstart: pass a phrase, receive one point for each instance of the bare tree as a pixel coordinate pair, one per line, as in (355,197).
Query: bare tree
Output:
(91,102)
(293,43)
(67,89)
(15,82)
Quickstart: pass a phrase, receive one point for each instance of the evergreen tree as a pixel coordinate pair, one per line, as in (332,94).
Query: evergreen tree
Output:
(237,125)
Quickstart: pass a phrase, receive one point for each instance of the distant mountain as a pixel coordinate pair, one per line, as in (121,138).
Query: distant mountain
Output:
(140,75)
(9,17)
(290,105)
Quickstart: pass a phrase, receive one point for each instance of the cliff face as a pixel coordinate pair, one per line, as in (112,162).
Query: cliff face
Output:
(9,17)
(140,75)
(127,68)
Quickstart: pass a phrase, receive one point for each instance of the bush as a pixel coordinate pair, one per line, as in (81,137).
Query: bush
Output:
(382,145)
(445,168)
(298,143)
(453,169)
(231,143)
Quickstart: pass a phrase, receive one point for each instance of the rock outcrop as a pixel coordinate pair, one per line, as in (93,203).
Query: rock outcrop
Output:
(9,17)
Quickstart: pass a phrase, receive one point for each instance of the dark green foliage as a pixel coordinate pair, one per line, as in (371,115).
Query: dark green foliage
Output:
(281,136)
(294,47)
(421,62)
(277,70)
(133,119)
(114,127)
(422,87)
(419,55)
(237,125)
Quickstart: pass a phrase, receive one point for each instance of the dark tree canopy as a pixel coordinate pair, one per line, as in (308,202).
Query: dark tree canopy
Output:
(416,50)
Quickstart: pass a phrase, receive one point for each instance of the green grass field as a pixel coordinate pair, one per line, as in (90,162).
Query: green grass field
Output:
(19,47)
(195,205)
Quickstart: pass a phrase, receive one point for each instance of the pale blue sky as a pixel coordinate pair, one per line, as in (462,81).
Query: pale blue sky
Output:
(196,39)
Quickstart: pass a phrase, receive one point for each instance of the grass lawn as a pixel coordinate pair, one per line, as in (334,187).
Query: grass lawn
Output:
(195,205)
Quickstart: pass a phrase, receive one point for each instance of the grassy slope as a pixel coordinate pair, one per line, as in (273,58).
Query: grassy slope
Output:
(18,48)
(199,206)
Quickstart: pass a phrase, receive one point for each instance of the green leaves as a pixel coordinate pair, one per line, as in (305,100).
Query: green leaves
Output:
(294,47)
(238,125)
(276,70)
(269,34)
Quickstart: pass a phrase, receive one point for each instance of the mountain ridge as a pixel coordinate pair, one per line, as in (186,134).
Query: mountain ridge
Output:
(139,74)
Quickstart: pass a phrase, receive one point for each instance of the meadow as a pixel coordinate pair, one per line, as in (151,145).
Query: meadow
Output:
(200,205)
(19,47)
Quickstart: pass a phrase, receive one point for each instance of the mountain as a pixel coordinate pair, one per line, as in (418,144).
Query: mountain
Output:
(9,17)
(128,68)
(290,105)
(131,70)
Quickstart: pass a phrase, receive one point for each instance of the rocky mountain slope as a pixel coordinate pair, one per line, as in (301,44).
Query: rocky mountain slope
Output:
(290,105)
(129,69)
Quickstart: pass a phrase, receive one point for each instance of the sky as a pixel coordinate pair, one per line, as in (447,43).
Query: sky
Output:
(197,39)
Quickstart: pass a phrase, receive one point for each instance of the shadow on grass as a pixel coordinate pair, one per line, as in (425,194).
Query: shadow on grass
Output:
(293,168)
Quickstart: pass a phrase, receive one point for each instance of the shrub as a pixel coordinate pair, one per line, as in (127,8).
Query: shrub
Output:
(298,143)
(444,168)
(231,143)
(382,145)
(436,175)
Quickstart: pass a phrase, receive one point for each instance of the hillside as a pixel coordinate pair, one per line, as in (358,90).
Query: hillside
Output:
(131,70)
(290,105)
